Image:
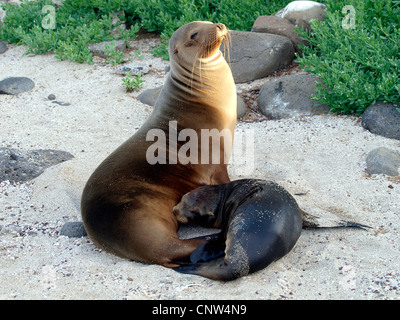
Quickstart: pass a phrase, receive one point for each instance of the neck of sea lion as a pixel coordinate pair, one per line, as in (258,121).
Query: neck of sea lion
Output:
(206,82)
(199,97)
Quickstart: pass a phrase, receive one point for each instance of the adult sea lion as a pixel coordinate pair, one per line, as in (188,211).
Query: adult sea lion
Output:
(127,202)
(260,222)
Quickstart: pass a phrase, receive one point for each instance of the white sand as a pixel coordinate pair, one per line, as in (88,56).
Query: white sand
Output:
(323,156)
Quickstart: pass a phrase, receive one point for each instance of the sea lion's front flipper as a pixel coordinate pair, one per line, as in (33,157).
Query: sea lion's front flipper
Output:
(211,249)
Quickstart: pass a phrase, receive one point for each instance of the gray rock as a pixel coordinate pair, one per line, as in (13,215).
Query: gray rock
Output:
(11,229)
(241,107)
(118,23)
(99,49)
(383,161)
(256,55)
(133,68)
(382,119)
(15,85)
(18,165)
(279,26)
(3,47)
(289,96)
(73,230)
(150,97)
(14,230)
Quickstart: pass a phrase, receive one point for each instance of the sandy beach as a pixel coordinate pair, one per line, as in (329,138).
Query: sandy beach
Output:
(320,157)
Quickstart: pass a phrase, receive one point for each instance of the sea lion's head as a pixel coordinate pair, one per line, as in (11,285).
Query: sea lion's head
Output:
(197,206)
(196,40)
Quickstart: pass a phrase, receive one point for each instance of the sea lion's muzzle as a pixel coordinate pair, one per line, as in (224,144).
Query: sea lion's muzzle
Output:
(222,30)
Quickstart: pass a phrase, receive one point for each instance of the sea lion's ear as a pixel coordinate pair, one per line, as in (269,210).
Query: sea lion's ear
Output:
(173,45)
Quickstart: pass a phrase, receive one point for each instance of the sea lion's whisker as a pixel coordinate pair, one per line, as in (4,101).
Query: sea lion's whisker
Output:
(227,45)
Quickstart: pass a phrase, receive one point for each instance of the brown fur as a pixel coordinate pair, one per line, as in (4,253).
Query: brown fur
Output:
(127,203)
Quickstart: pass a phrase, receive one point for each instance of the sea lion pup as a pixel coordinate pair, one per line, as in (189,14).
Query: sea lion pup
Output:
(260,222)
(127,202)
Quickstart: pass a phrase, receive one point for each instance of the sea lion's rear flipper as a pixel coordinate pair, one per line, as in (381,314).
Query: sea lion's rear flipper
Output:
(333,221)
(211,249)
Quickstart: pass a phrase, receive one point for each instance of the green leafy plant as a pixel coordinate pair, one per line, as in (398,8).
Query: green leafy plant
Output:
(137,54)
(161,50)
(357,66)
(168,15)
(114,56)
(132,83)
(78,23)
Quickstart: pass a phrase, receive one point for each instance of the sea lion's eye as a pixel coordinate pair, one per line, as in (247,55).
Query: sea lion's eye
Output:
(194,35)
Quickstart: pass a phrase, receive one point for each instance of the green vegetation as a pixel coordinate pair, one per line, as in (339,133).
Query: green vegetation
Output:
(165,16)
(77,23)
(357,66)
(114,56)
(80,22)
(132,83)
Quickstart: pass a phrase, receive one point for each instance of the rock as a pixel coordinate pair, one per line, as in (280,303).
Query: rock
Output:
(279,26)
(3,47)
(99,49)
(118,23)
(255,55)
(241,107)
(10,229)
(382,119)
(15,85)
(21,166)
(73,230)
(289,96)
(301,13)
(383,161)
(51,97)
(133,68)
(150,97)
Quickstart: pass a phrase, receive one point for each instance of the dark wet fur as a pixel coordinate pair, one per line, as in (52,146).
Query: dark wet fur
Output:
(260,222)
